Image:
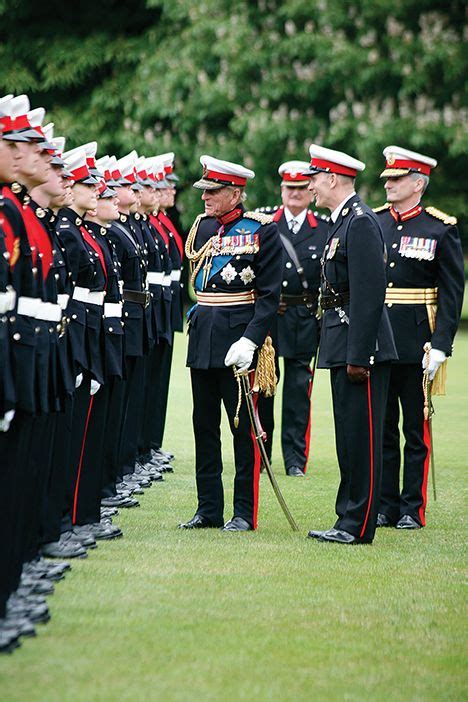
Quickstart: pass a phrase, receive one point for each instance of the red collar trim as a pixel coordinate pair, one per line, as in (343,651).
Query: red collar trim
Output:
(229,217)
(409,214)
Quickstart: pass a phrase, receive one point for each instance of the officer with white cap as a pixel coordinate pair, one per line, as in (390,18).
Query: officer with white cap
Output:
(236,263)
(303,234)
(425,283)
(356,343)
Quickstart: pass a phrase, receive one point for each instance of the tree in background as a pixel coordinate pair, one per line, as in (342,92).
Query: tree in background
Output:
(254,81)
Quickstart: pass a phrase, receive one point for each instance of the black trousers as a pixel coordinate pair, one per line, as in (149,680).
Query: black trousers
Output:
(87,497)
(14,448)
(405,390)
(132,414)
(210,388)
(359,413)
(295,412)
(161,391)
(111,437)
(151,421)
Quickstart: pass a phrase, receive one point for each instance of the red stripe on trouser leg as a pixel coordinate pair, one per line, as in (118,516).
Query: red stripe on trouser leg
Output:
(257,461)
(309,423)
(371,457)
(427,442)
(80,464)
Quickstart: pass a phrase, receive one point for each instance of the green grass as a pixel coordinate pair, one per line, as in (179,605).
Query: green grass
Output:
(175,616)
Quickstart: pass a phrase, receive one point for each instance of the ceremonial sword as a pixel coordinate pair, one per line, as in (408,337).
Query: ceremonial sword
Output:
(258,433)
(428,412)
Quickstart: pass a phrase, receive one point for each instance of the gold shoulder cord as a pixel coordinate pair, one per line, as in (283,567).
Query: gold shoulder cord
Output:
(197,258)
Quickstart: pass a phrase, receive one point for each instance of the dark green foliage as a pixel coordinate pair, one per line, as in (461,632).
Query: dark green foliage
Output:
(256,81)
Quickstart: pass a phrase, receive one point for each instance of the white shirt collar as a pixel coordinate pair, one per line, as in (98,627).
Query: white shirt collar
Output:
(337,210)
(299,218)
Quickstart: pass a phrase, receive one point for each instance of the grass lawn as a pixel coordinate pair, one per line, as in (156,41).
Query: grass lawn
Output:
(174,616)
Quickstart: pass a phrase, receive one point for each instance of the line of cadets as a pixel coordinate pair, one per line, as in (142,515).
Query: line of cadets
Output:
(90,298)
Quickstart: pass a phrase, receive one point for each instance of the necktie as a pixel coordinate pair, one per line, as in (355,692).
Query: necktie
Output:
(293,226)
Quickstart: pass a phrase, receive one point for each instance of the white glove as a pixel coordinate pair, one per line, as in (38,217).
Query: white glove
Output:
(6,420)
(94,387)
(436,358)
(240,354)
(78,380)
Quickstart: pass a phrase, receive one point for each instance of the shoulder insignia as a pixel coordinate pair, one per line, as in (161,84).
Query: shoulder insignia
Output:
(259,217)
(443,216)
(382,208)
(266,210)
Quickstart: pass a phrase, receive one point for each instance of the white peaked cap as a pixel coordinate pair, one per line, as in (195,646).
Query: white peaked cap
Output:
(36,117)
(217,174)
(20,106)
(76,163)
(6,105)
(330,161)
(293,172)
(401,161)
(90,150)
(127,163)
(48,130)
(59,144)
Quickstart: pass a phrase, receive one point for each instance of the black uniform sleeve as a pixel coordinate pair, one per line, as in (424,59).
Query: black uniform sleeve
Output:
(451,284)
(268,268)
(367,284)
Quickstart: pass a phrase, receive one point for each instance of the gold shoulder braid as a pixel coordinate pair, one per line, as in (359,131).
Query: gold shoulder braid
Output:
(382,208)
(202,256)
(259,217)
(443,216)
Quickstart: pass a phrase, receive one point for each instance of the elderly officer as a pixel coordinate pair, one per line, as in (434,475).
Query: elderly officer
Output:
(424,299)
(303,234)
(236,267)
(356,344)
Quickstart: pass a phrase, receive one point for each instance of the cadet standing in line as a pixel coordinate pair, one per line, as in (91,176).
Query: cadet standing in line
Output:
(425,283)
(303,234)
(236,269)
(356,343)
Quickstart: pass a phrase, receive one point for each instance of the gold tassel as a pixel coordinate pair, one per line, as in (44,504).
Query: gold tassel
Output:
(265,374)
(440,379)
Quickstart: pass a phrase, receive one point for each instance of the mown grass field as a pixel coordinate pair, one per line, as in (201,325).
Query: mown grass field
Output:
(175,616)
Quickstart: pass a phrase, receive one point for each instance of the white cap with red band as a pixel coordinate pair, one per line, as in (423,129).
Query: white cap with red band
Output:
(293,173)
(400,162)
(323,160)
(218,174)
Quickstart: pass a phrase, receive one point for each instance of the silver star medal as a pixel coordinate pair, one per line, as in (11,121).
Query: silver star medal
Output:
(228,273)
(247,275)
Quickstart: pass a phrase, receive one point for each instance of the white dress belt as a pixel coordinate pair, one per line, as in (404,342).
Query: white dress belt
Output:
(49,312)
(166,280)
(28,306)
(113,309)
(96,298)
(62,300)
(80,294)
(175,275)
(7,300)
(155,278)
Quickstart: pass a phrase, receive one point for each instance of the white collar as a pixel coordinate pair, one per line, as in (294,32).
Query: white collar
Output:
(299,218)
(337,210)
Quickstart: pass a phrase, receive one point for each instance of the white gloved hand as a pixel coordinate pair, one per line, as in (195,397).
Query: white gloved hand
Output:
(78,380)
(6,420)
(94,387)
(240,354)
(436,358)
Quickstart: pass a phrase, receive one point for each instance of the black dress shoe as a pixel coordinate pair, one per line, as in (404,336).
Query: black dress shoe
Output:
(338,536)
(384,521)
(198,522)
(237,524)
(407,522)
(295,471)
(315,534)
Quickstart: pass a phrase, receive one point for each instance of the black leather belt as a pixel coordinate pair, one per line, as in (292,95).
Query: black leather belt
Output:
(308,299)
(141,298)
(329,302)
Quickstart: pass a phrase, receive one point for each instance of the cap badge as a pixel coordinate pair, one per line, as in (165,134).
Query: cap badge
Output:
(391,159)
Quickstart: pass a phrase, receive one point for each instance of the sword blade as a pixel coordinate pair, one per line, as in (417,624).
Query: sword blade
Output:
(266,463)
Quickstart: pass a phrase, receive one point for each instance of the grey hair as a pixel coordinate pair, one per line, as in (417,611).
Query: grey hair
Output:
(423,177)
(243,196)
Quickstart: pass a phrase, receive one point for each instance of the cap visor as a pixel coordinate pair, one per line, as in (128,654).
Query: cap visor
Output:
(90,180)
(108,192)
(172,178)
(14,136)
(394,172)
(137,186)
(203,184)
(295,183)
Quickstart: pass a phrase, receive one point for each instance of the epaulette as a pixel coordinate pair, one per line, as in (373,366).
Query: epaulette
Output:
(438,214)
(382,208)
(259,217)
(267,209)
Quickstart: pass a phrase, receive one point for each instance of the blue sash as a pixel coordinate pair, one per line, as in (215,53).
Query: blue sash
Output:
(242,234)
